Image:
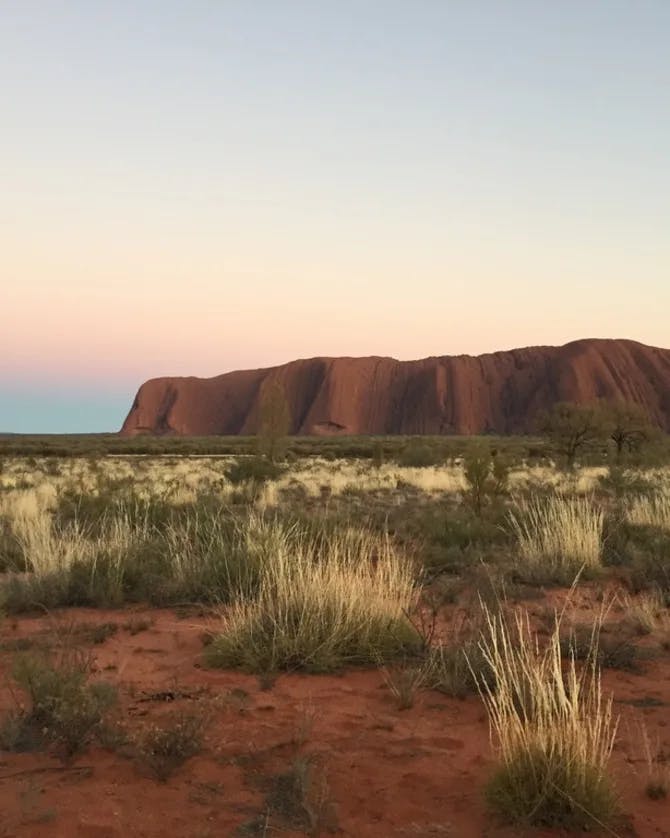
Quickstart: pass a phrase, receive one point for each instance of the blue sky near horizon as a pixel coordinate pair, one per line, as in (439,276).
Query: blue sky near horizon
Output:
(62,409)
(195,187)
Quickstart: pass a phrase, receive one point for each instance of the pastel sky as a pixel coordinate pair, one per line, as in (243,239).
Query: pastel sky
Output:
(198,186)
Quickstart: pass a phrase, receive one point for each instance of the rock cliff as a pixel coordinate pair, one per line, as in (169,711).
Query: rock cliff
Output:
(500,392)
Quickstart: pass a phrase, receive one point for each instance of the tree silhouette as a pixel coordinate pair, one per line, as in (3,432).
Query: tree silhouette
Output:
(274,421)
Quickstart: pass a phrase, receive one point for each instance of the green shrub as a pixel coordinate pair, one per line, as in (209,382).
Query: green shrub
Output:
(65,705)
(642,549)
(456,539)
(300,796)
(19,733)
(257,470)
(457,669)
(610,652)
(418,454)
(378,455)
(485,474)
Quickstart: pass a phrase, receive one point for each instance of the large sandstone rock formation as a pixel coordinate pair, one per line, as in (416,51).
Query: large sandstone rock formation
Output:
(500,392)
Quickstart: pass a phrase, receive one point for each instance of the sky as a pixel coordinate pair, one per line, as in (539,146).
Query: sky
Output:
(192,187)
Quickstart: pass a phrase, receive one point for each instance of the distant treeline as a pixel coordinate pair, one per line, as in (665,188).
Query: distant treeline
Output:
(408,450)
(93,445)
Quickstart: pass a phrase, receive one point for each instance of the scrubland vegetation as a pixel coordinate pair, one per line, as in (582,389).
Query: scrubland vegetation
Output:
(474,575)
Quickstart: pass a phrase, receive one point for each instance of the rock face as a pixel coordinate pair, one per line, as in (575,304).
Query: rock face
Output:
(500,392)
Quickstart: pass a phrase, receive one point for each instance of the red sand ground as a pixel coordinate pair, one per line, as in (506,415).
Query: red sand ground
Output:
(417,772)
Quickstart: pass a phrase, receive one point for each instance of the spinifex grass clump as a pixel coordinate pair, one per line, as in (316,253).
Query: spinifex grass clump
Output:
(191,552)
(554,731)
(321,603)
(651,510)
(558,538)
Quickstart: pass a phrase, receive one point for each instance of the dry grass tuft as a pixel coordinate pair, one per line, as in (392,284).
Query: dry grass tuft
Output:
(554,731)
(320,605)
(558,538)
(647,612)
(651,510)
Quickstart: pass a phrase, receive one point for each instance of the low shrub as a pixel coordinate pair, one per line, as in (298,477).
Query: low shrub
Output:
(456,539)
(485,475)
(65,705)
(404,681)
(301,798)
(644,550)
(418,454)
(457,669)
(164,747)
(609,651)
(257,470)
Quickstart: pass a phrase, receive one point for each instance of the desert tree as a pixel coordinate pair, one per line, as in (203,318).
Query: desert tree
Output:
(485,474)
(628,425)
(274,421)
(572,427)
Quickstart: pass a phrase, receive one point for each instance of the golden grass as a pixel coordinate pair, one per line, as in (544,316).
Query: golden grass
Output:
(320,606)
(651,510)
(46,552)
(181,479)
(657,786)
(553,729)
(557,538)
(648,611)
(316,476)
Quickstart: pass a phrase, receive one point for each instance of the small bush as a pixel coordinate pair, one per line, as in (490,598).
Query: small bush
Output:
(658,766)
(11,555)
(485,475)
(648,612)
(609,652)
(404,681)
(164,748)
(257,470)
(64,704)
(646,551)
(97,634)
(378,455)
(136,625)
(616,537)
(457,669)
(19,733)
(418,454)
(301,798)
(458,539)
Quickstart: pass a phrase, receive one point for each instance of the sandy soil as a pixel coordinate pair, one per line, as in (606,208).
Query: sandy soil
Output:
(417,772)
